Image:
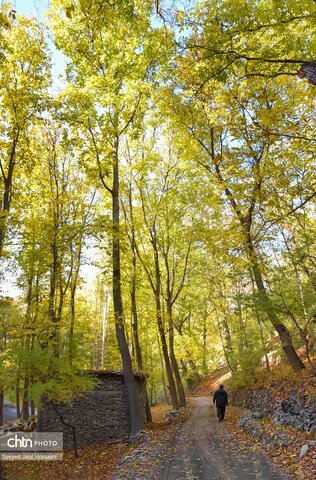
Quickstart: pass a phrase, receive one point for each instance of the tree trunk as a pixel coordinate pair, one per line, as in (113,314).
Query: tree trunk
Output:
(27,348)
(228,354)
(149,417)
(163,373)
(25,404)
(32,407)
(245,222)
(139,359)
(171,382)
(311,276)
(228,342)
(72,323)
(284,334)
(155,282)
(262,340)
(17,400)
(204,344)
(174,363)
(224,332)
(76,251)
(136,420)
(161,330)
(7,190)
(308,71)
(104,343)
(1,406)
(53,335)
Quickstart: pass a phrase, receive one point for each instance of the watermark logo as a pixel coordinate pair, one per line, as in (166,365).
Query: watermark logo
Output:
(31,446)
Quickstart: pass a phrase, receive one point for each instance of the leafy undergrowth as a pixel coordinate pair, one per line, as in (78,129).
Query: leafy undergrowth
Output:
(159,412)
(95,462)
(161,423)
(282,381)
(286,457)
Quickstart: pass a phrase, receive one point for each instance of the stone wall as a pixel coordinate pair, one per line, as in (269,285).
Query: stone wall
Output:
(98,416)
(257,399)
(294,410)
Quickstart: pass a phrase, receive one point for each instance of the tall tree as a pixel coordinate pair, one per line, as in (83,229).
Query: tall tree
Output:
(111,64)
(237,153)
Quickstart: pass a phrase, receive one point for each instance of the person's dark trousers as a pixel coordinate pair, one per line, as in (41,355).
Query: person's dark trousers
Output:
(221,412)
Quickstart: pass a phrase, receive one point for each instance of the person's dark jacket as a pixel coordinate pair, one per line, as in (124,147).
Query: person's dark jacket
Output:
(220,398)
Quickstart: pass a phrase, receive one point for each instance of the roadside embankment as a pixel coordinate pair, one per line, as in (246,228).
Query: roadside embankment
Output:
(279,416)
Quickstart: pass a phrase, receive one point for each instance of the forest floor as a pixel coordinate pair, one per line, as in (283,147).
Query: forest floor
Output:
(192,446)
(98,462)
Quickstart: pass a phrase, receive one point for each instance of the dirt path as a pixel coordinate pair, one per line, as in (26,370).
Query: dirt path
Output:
(204,450)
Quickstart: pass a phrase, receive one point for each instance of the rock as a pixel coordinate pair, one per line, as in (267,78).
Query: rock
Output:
(285,439)
(12,429)
(242,422)
(259,399)
(20,428)
(304,450)
(267,440)
(257,415)
(281,439)
(253,427)
(295,411)
(289,406)
(255,432)
(172,415)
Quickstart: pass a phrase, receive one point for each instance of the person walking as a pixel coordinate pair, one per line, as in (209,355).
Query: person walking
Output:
(220,399)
